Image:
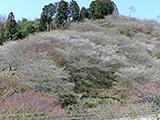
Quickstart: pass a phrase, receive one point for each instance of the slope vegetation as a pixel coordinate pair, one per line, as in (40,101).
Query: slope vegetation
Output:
(94,68)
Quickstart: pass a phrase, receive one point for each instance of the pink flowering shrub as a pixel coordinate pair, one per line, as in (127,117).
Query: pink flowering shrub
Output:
(31,102)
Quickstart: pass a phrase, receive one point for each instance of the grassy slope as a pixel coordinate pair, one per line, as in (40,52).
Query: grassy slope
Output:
(111,63)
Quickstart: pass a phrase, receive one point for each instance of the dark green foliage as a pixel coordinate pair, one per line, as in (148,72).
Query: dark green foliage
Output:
(26,28)
(19,35)
(58,14)
(11,17)
(62,13)
(47,15)
(1,37)
(43,25)
(93,11)
(100,8)
(74,10)
(17,30)
(127,33)
(107,7)
(30,28)
(94,77)
(11,27)
(84,13)
(68,99)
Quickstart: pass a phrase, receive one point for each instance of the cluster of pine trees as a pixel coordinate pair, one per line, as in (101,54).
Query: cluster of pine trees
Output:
(55,16)
(13,30)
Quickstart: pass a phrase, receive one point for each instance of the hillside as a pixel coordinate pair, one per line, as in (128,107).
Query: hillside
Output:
(105,68)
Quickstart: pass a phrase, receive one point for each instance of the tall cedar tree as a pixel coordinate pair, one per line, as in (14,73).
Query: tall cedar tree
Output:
(47,15)
(74,10)
(11,27)
(93,10)
(62,13)
(84,13)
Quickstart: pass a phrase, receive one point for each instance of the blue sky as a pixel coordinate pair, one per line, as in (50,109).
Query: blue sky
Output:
(32,8)
(145,9)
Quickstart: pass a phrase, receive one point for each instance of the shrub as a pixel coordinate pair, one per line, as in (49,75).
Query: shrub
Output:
(30,102)
(134,74)
(19,35)
(127,33)
(68,99)
(87,78)
(84,13)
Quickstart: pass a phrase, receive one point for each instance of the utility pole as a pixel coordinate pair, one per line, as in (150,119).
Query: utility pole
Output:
(132,10)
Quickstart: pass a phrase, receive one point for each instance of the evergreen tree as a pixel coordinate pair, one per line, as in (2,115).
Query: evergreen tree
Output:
(62,13)
(84,13)
(74,10)
(95,12)
(43,23)
(47,15)
(11,27)
(11,17)
(107,7)
(101,8)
